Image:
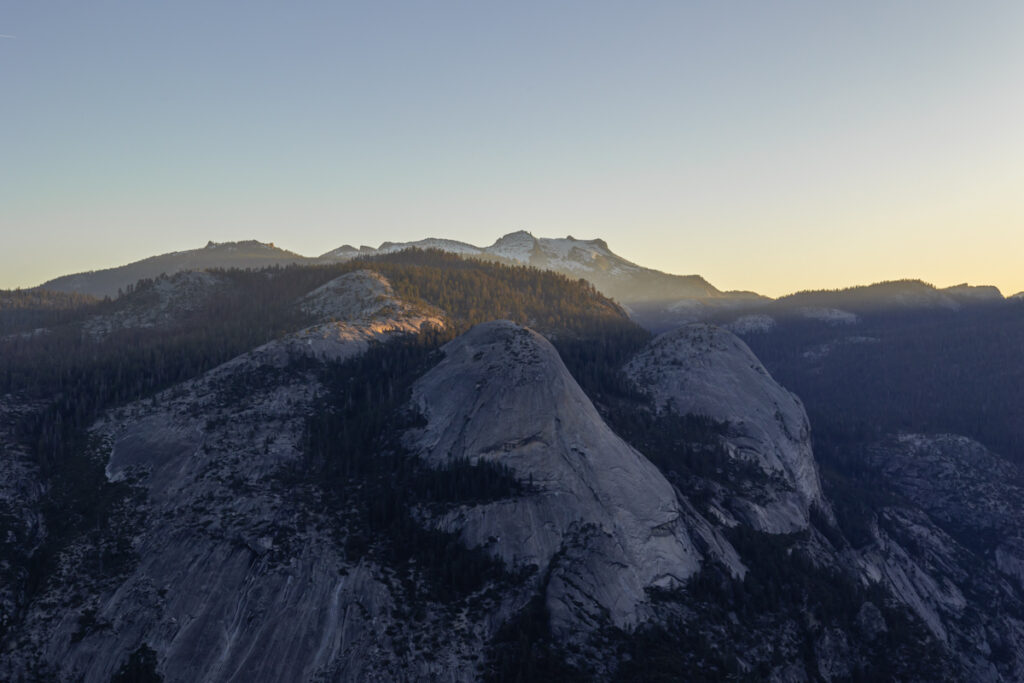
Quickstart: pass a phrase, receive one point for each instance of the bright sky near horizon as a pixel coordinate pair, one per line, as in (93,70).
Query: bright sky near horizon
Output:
(770,146)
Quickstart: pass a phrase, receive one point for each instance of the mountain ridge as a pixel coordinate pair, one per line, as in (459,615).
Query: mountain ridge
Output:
(342,461)
(656,299)
(112,281)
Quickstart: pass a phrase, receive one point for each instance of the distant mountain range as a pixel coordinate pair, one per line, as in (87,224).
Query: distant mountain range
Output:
(656,299)
(592,260)
(589,259)
(896,294)
(111,281)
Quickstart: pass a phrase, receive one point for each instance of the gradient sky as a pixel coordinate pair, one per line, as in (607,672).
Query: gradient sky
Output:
(772,146)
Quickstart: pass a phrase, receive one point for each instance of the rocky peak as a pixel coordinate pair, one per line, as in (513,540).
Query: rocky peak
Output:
(344,252)
(518,246)
(349,312)
(701,369)
(970,491)
(598,517)
(518,238)
(353,297)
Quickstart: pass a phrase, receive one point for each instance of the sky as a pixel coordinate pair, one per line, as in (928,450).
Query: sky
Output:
(768,146)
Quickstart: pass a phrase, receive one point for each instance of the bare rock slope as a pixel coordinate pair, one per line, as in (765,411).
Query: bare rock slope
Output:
(949,545)
(231,579)
(704,370)
(350,311)
(600,517)
(226,573)
(163,302)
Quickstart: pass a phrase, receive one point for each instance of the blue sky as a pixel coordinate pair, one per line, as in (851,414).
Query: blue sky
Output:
(772,146)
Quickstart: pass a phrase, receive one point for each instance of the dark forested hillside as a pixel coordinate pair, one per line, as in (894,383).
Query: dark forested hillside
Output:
(958,371)
(26,310)
(41,300)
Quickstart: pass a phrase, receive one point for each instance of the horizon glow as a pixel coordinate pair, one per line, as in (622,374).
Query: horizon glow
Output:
(768,148)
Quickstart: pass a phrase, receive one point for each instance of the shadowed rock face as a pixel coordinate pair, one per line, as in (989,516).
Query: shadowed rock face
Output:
(600,517)
(705,370)
(227,586)
(956,480)
(966,490)
(22,526)
(949,546)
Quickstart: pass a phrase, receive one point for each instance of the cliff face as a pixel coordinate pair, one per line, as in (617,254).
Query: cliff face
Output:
(224,572)
(705,370)
(348,313)
(598,518)
(236,577)
(949,545)
(22,525)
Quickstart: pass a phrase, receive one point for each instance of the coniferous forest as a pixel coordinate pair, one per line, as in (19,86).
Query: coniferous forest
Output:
(926,372)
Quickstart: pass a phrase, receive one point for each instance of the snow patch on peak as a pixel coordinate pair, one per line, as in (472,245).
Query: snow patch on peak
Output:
(822,351)
(518,246)
(834,316)
(519,236)
(565,254)
(565,248)
(591,259)
(746,324)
